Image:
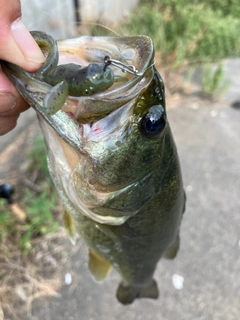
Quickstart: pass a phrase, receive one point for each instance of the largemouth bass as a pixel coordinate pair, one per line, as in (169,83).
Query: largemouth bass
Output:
(111,153)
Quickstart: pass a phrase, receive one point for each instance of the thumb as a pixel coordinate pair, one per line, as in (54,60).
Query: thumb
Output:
(19,47)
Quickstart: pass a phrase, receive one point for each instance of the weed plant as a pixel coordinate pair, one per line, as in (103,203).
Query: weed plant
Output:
(212,81)
(196,30)
(38,205)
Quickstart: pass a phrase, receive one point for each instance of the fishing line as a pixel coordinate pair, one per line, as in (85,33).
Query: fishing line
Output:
(104,31)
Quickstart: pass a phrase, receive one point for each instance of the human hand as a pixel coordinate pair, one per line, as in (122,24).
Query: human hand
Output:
(16,46)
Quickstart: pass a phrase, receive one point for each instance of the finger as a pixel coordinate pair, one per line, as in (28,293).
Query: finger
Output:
(11,105)
(8,119)
(10,100)
(7,124)
(17,45)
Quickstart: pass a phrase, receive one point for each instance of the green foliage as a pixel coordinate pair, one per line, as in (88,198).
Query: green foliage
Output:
(197,30)
(38,206)
(212,81)
(226,7)
(39,219)
(7,223)
(38,155)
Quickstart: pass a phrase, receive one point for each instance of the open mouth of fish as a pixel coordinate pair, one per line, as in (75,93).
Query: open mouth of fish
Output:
(87,126)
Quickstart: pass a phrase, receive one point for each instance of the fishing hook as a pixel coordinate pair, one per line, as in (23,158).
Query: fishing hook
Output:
(130,69)
(125,68)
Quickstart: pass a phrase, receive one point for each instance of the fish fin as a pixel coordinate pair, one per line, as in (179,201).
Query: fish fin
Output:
(173,250)
(69,226)
(106,230)
(98,266)
(127,294)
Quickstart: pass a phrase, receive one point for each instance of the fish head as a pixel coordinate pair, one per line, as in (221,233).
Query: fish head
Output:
(106,152)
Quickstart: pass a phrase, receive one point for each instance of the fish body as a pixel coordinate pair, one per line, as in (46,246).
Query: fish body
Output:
(114,162)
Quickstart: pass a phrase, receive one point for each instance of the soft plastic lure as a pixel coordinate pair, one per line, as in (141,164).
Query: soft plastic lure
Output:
(68,79)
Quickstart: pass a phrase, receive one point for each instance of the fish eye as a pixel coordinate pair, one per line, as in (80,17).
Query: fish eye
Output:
(153,122)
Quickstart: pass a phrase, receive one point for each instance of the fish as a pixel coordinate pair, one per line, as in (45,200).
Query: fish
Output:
(111,154)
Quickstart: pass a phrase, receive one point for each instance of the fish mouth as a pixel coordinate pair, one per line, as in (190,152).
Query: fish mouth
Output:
(90,119)
(87,110)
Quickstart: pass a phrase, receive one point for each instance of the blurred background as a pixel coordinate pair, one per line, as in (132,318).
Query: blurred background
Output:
(42,276)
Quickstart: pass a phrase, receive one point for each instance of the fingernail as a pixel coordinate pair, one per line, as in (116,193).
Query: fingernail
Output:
(7,102)
(26,43)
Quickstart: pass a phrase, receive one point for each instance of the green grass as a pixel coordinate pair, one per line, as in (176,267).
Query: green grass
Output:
(212,81)
(40,220)
(7,222)
(38,157)
(39,207)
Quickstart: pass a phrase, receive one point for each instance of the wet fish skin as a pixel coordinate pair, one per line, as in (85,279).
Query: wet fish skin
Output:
(140,178)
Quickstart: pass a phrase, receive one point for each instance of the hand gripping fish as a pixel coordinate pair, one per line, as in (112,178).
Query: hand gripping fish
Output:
(101,107)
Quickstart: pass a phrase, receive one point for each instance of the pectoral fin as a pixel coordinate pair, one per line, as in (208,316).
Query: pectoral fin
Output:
(69,226)
(98,266)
